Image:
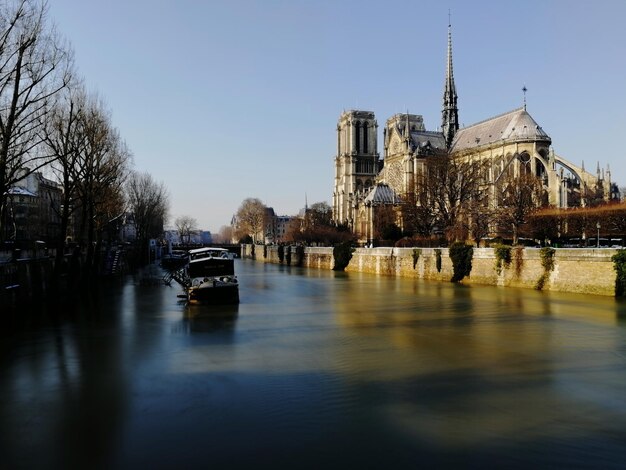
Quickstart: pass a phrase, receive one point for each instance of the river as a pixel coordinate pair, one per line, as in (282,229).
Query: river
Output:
(317,369)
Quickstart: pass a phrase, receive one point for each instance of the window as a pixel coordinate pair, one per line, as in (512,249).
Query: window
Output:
(365,143)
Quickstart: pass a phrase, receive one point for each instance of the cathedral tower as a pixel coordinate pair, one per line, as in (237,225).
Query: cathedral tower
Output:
(450,112)
(356,162)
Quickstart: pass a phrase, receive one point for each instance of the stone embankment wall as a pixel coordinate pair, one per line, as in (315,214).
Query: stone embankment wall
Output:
(587,271)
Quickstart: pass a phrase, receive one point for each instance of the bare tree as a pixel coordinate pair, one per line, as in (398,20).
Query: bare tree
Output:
(102,171)
(185,225)
(148,203)
(63,136)
(385,227)
(520,196)
(225,235)
(480,219)
(34,66)
(251,218)
(419,215)
(453,183)
(443,196)
(320,213)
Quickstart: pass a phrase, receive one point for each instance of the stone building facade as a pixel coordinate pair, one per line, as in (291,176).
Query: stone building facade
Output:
(509,144)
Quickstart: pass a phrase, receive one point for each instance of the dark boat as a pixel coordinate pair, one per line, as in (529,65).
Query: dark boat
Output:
(175,260)
(211,277)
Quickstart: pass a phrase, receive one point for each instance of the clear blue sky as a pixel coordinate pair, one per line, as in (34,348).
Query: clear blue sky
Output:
(233,99)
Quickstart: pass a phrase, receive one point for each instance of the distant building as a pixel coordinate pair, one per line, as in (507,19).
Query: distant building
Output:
(282,223)
(205,237)
(128,229)
(198,237)
(171,236)
(33,209)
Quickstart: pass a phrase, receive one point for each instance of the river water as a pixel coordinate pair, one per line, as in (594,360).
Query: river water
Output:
(316,369)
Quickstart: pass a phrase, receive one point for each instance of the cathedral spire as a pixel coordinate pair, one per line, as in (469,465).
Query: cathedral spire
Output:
(407,131)
(449,114)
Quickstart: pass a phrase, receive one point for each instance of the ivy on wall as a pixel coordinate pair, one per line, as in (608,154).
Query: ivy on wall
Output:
(299,255)
(342,254)
(547,261)
(438,259)
(416,256)
(503,257)
(461,256)
(619,264)
(519,260)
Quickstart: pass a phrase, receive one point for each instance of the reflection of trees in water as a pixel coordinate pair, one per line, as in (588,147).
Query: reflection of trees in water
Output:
(67,391)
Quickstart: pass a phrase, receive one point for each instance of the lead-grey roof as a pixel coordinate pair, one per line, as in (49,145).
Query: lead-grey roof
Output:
(422,138)
(381,194)
(512,126)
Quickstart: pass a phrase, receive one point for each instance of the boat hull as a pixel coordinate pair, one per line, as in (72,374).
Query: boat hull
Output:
(214,294)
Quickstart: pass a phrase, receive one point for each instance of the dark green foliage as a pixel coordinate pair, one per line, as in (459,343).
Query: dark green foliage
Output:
(416,256)
(342,254)
(246,240)
(547,261)
(619,263)
(461,256)
(281,253)
(299,255)
(503,256)
(252,252)
(391,232)
(288,256)
(438,259)
(264,251)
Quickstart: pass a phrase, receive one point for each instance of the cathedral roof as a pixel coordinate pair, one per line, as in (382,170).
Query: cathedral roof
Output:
(422,138)
(512,126)
(381,194)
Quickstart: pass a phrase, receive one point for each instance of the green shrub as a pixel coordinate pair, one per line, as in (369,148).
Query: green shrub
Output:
(288,256)
(265,251)
(281,253)
(342,254)
(503,256)
(416,256)
(619,263)
(252,252)
(438,259)
(547,261)
(461,256)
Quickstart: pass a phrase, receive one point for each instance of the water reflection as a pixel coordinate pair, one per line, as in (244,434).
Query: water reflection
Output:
(318,369)
(204,318)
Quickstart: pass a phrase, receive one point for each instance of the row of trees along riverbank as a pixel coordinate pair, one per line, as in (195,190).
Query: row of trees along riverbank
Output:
(51,127)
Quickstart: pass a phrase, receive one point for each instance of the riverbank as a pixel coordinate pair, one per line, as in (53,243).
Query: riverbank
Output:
(577,270)
(32,276)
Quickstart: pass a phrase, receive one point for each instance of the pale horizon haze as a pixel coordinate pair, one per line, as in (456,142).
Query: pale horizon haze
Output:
(233,99)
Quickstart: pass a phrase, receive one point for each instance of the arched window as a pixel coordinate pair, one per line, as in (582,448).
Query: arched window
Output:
(524,168)
(365,146)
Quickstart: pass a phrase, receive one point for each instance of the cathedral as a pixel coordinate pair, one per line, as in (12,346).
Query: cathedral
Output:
(509,144)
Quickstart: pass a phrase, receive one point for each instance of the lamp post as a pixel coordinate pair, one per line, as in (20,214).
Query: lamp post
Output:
(598,239)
